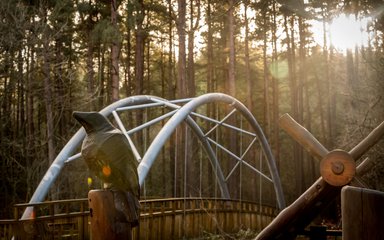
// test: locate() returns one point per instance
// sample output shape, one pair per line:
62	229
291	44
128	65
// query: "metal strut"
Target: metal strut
179	114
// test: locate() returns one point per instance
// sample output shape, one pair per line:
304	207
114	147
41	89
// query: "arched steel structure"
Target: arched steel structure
179	114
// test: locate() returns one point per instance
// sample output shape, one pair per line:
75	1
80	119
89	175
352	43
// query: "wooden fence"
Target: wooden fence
194	217
173	218
64	219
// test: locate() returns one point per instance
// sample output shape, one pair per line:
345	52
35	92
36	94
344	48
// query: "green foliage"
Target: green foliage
105	33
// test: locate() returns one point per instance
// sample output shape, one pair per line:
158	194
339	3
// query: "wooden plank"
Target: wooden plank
362	213
302	136
373	137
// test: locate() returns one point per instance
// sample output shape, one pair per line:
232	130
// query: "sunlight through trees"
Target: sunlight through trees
321	61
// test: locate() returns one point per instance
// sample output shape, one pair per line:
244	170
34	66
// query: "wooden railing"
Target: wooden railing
172	218
61	219
177	218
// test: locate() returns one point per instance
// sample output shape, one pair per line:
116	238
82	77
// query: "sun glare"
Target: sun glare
344	32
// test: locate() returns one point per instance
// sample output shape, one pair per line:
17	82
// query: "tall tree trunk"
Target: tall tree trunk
139	59
191	162
293	90
247	61
170	94
181	65
170	78
115	52
275	88
267	120
209	51
231	45
210	75
48	101
319	86
300	92
91	85
90	75
147	83
181	93
128	75
302	70
21	95
295	107
30	122
233	182
191	92
164	166
101	70
329	88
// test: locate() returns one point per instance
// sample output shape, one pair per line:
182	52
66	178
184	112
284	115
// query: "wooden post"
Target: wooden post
302	211
106	221
362	213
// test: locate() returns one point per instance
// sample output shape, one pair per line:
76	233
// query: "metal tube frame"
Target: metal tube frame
182	114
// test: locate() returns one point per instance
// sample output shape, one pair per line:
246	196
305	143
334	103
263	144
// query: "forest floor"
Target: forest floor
245	235
242	234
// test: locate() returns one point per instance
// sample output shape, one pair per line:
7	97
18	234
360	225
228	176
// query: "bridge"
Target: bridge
217	203
173	218
220	203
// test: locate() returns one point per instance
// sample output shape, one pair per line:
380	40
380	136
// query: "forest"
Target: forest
321	61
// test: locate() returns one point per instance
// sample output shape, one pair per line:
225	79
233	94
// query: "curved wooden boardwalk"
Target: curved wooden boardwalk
172	218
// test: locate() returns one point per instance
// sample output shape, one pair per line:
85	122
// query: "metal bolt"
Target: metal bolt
337	168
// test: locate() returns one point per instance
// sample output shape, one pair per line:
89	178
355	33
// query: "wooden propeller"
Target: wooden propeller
338	168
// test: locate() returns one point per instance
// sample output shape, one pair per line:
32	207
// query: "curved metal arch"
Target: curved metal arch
153	150
183	114
150	157
70	148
